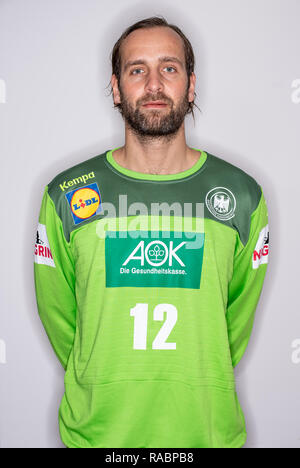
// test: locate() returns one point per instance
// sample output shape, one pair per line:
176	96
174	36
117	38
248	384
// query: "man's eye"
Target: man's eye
136	71
170	68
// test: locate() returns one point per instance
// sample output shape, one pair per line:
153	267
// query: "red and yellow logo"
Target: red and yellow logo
84	203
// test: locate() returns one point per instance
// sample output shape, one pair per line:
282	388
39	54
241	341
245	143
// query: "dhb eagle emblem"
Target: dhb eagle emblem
221	202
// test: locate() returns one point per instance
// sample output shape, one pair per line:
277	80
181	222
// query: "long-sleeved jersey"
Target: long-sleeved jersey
147	287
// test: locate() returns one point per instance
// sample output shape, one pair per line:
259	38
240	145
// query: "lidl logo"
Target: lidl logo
84	202
167	261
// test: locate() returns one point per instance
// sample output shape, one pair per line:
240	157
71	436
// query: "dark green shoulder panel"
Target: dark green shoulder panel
233	192
228	194
78	175
84	175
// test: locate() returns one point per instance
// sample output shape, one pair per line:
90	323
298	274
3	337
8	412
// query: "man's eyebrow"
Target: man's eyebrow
170	59
143	62
134	62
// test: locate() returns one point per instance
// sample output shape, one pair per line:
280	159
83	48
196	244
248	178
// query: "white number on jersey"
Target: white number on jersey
140	314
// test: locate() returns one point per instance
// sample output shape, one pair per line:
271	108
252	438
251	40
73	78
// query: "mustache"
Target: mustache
151	98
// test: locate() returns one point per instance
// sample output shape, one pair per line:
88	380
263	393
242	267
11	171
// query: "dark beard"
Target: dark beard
148	125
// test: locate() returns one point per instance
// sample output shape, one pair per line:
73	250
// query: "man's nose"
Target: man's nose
154	81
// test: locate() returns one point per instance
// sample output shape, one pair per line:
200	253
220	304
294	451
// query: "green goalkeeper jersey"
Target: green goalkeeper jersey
147	287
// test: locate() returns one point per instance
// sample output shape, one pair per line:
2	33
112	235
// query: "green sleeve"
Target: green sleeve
55	281
249	269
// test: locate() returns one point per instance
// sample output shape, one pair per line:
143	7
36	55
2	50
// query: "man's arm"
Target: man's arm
249	269
55	280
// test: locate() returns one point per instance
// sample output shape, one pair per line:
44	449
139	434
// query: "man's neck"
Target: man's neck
156	155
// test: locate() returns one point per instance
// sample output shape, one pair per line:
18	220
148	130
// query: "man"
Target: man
149	264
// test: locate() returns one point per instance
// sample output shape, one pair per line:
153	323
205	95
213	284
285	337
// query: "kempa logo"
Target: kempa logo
156	253
77	180
221	203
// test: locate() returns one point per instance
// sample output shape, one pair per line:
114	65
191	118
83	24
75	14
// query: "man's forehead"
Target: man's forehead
152	44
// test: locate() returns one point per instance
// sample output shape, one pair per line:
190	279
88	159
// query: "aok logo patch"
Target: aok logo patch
170	260
84	202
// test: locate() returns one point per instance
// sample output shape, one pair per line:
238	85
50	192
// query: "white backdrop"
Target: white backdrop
55	112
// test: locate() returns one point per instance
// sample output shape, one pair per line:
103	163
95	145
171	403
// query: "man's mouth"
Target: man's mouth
156	104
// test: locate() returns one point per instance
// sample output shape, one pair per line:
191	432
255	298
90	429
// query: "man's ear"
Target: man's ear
115	88
191	93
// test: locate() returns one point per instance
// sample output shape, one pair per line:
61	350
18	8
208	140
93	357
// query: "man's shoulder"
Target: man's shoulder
77	176
243	185
232	195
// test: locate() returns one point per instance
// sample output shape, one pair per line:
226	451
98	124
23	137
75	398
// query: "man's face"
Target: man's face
153	91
